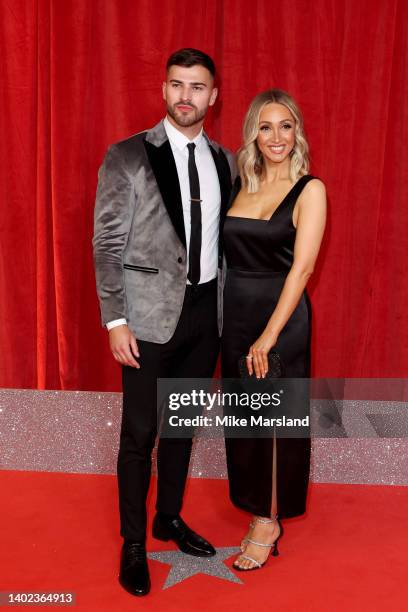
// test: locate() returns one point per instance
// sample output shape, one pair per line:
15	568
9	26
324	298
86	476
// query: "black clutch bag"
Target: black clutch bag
275	367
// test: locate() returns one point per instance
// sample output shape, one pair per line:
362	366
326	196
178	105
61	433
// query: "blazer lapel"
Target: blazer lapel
162	162
164	169
224	177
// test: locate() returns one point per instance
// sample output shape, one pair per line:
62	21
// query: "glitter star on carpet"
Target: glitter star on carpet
183	566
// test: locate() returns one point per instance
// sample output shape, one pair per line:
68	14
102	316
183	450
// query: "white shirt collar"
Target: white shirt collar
179	140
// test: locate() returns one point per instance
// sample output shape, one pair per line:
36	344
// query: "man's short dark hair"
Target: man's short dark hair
191	57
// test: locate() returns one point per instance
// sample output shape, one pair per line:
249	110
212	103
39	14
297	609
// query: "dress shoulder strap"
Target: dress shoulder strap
299	186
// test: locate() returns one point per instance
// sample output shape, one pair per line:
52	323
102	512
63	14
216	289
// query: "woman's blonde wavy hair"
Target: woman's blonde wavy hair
250	160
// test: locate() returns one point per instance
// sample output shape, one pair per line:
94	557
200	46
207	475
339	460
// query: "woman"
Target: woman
272	236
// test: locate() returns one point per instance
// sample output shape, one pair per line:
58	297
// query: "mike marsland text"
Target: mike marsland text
233	421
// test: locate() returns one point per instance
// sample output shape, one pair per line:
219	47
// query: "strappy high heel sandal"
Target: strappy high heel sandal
244	541
273	546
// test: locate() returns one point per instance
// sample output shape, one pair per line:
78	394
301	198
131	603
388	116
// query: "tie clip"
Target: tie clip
195	200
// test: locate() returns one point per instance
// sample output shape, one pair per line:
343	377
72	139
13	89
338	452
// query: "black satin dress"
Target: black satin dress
259	255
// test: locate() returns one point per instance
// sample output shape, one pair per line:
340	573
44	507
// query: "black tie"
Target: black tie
195	210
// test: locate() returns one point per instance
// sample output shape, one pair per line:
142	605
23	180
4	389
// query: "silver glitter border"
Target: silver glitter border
78	432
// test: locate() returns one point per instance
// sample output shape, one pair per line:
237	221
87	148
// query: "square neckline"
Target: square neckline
276	209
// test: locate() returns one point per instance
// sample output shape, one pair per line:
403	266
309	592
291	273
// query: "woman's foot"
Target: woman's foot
263	538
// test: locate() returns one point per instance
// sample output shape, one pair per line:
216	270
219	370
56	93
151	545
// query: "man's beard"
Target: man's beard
186	120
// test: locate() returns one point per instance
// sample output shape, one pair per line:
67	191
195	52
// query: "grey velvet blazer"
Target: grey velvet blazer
139	239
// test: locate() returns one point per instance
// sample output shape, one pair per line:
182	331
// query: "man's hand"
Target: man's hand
124	346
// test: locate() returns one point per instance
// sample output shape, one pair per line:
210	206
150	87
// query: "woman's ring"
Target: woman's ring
249	357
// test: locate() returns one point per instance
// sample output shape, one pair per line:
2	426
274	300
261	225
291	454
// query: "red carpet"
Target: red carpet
60	533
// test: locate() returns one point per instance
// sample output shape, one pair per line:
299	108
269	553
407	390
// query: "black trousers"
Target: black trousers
191	353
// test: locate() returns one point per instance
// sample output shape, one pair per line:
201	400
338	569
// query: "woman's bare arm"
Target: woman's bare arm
309	233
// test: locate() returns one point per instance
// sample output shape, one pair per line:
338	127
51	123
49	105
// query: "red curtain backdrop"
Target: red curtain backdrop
78	75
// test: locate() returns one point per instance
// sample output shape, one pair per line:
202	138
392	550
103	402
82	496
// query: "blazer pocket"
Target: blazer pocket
141	269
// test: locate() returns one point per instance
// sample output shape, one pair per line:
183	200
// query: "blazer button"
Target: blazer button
180	260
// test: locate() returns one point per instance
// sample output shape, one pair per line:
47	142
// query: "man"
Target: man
161	197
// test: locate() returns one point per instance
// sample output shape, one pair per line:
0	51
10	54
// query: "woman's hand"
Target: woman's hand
257	359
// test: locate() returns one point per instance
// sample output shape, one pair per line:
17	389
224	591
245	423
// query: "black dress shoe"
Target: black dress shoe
134	572
186	539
